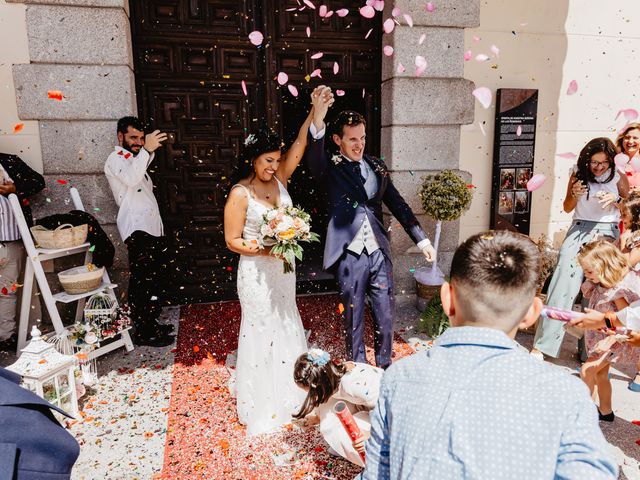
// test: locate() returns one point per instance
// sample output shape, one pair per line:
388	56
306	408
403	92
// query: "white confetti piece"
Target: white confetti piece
484	96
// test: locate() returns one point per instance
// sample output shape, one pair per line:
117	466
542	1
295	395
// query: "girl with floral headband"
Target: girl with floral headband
328	381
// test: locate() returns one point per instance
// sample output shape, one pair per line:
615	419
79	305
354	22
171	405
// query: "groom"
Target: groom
357	247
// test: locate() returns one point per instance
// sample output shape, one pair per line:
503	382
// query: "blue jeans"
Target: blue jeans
567	279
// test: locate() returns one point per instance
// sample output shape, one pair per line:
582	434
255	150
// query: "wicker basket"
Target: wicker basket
81	279
65	236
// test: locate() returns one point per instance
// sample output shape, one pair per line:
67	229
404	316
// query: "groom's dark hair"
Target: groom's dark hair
348	118
495	275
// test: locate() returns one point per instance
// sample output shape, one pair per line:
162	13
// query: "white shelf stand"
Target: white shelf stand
34	269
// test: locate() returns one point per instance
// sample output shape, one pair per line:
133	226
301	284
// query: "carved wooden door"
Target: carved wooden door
190	58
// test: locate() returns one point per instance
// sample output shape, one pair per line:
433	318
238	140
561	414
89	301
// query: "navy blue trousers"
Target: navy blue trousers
360	276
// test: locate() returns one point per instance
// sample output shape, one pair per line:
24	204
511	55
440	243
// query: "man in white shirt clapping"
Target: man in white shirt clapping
140	227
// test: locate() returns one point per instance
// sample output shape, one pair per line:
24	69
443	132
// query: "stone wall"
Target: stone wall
421	116
82	48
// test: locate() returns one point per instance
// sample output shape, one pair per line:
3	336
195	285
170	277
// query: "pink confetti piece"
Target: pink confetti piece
536	182
316	56
340	93
484	96
364	92
316	73
367	11
256	38
430	7
481	57
408	19
378	5
329	14
476	39
368	33
309	4
323	10
293	90
567	155
467	55
395	12
388	25
387	50
495	50
283	78
336	68
401	68
621	161
421	65
343	12
291	9
308	32
244	87
519	131
422	38
573	87
629	114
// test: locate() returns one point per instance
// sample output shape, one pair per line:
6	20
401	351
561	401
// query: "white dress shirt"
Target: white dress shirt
8	224
133	191
364	239
630	316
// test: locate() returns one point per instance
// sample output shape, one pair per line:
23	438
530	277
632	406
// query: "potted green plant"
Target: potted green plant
445	196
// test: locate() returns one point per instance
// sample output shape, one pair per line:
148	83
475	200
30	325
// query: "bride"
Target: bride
271	332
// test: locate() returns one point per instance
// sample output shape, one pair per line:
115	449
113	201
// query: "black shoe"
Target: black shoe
165	328
10	344
159	340
609	417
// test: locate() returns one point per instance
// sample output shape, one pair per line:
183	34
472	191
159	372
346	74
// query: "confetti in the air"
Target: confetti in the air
395	12
367	11
243	84
495	50
378	5
388	50
573	87
484	96
309	4
316	56
567	155
481	57
430	7
401	68
283	78
536	182
388	25
308	32
343	12
629	114
293	90
408	19
18	127
322	11
340	93
422	38
256	38
316	73
468	55
336	68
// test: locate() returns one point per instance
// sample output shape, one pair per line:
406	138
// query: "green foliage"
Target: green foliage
445	196
433	320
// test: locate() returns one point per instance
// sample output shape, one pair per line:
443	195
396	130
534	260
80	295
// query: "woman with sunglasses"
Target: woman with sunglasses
594	193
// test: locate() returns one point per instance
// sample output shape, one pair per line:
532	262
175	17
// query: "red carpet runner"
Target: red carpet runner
204	439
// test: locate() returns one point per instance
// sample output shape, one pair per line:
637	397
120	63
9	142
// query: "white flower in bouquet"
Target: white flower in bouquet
90	338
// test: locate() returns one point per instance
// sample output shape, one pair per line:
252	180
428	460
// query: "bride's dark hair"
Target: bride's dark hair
262	141
321	380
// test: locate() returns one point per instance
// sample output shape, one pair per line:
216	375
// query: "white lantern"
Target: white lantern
48	373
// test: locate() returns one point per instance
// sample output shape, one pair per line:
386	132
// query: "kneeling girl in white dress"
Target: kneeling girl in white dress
329	381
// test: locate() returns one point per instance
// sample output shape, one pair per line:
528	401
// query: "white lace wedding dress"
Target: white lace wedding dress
271	334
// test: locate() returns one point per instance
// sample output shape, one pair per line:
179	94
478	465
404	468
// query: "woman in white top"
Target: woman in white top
329	381
271	332
594	192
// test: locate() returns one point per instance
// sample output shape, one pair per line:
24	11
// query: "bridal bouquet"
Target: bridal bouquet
283	228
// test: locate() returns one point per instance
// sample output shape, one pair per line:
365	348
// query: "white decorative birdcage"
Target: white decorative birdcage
48	373
100	307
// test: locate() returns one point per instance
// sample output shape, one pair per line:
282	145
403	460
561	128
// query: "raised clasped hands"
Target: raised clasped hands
321	99
153	140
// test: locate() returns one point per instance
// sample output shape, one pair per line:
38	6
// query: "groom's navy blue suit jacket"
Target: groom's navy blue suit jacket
348	202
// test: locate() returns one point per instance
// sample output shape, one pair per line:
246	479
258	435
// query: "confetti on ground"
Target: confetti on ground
204	438
55	95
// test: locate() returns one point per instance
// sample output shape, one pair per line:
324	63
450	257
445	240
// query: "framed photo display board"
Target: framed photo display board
513	153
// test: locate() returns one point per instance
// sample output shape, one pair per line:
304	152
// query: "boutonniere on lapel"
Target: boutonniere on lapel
336	159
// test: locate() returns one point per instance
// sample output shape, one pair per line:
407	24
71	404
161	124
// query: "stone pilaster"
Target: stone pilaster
82	48
421	116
